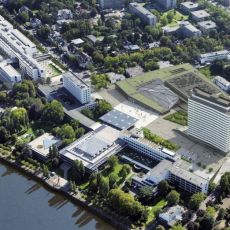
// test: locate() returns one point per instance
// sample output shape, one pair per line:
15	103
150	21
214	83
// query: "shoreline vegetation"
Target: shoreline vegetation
108	216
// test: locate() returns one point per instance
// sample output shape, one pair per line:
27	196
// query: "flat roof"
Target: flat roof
207	24
75	79
141	9
200	14
93	147
190	5
188	176
9	69
118	119
42	144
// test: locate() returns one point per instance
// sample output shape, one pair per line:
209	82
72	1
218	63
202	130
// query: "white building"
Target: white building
206	26
146	16
64	14
213	56
15	45
172	215
8	75
167	4
222	83
94	148
209	119
200	15
77	87
187	180
148	148
40	146
188	7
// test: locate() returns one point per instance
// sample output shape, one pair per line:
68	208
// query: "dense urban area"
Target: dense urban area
122	106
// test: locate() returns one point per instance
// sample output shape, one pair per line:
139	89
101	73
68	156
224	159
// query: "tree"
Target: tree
196	200
225	183
163	187
173	198
53	112
113	178
4	134
125	170
112	161
104	187
178	227
206	223
159	227
45	171
211	211
221	214
3	97
73	186
145	193
78	170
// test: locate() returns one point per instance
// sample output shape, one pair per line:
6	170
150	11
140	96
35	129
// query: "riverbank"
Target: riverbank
64	191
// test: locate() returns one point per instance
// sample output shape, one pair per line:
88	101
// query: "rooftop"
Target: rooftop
207	24
118	119
190	5
75	80
188	176
42	144
9	69
92	147
200	14
172	215
141	9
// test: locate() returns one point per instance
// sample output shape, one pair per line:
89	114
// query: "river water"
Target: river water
26	205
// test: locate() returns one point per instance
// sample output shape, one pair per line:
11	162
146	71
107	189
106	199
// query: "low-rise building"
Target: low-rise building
222	83
167	4
64	14
108	4
213	56
187	180
189	7
146	16
35	22
172	215
187	30
94	148
77	87
134	71
206	26
9	75
114	77
200	15
41	145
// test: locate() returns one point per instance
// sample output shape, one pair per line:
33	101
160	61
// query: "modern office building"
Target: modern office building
227	2
94	148
108	4
187	181
209	119
8	74
146	16
77	87
148	148
213	56
167	4
15	45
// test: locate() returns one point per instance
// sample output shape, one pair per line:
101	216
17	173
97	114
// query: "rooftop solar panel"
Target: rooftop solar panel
118	119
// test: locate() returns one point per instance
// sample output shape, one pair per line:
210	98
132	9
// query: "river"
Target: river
26	205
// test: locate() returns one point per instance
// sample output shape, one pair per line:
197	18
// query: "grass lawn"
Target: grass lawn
177	17
206	72
155	208
55	71
180	117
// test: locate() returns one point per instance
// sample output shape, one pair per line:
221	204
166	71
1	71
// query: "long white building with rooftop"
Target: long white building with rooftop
15	45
